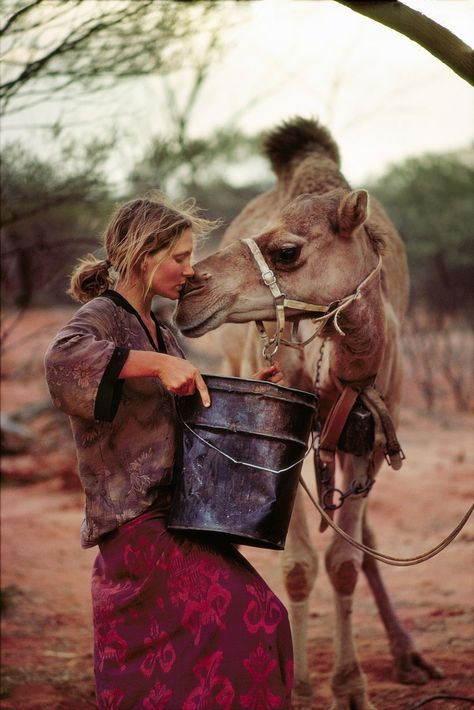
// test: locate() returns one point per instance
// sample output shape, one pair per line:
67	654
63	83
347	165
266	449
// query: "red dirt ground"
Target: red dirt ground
46	636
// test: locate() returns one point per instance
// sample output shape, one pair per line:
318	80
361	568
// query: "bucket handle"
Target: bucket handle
245	463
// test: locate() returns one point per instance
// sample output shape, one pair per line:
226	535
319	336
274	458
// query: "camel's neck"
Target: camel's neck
358	354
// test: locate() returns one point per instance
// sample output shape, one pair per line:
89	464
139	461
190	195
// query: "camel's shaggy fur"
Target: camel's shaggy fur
338	238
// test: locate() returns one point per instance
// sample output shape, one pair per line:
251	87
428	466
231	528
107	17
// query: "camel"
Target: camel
327	247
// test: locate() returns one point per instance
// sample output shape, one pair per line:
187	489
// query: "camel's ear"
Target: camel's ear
353	211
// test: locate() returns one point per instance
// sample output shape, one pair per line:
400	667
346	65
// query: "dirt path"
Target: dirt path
47	640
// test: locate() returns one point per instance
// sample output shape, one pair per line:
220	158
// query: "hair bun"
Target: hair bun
90	279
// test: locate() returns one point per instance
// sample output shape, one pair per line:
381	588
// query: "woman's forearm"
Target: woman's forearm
144	363
178	375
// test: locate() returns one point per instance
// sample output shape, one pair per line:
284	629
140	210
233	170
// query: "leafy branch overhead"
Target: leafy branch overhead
439	41
50	45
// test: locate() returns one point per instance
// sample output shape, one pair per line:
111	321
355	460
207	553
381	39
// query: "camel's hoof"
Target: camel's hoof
412	669
349	689
353	701
302	696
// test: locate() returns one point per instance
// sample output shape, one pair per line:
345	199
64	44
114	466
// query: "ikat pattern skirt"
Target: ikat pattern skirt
185	623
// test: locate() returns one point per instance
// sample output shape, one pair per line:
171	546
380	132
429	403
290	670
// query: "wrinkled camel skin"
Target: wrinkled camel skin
321	239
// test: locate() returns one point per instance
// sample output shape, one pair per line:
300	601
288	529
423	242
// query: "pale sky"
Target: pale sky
382	96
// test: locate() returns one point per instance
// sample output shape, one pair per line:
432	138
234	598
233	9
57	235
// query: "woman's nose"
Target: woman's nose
188	271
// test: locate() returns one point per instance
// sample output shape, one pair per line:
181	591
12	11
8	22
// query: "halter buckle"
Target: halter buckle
268	277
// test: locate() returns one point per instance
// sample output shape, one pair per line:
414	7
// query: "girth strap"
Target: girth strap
339	414
374	402
334	424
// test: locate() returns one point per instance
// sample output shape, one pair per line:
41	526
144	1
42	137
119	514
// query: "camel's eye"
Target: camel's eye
287	254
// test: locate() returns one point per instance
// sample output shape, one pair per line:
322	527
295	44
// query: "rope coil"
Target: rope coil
380	556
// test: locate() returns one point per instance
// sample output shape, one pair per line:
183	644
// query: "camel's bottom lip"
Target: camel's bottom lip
194	330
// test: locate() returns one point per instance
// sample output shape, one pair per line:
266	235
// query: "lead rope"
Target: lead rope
388	559
380	556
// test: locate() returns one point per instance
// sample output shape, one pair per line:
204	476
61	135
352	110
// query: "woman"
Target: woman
180	622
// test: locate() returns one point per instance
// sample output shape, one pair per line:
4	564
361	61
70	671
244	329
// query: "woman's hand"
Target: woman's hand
179	376
182	378
272	373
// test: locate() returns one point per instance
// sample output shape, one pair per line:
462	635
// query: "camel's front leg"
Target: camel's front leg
299	569
343	563
409	664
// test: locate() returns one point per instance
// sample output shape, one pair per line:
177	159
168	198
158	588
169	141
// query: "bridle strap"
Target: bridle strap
271	344
269	280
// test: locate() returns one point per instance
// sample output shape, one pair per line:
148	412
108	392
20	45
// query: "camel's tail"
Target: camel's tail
295	136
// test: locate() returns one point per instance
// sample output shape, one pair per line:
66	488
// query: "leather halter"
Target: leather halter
271	344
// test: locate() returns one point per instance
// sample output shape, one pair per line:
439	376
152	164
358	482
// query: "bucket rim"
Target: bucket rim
313	395
237	537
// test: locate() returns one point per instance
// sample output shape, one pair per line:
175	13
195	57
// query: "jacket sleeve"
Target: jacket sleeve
82	365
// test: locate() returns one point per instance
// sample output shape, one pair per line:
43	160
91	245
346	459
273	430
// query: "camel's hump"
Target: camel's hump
295	136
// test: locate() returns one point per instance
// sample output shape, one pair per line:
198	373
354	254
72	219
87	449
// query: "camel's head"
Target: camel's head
317	250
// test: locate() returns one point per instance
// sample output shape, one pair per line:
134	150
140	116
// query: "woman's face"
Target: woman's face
168	274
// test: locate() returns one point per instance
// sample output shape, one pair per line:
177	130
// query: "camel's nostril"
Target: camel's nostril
194	284
200	276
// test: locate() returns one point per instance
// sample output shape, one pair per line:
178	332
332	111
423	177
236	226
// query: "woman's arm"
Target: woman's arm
85	368
179	376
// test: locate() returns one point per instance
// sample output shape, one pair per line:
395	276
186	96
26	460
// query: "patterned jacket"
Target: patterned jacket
125	431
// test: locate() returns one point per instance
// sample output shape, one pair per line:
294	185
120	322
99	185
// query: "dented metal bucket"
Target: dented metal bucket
241	460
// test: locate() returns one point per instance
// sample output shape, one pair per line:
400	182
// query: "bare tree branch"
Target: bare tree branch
48	44
435	38
68	44
17	14
9	27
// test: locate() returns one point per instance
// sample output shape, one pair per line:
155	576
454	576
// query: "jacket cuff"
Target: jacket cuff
110	387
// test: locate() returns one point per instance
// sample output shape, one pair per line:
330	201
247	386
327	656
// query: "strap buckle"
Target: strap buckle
268	278
395	458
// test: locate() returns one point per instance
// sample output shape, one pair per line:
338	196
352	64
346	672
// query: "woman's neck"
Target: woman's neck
134	295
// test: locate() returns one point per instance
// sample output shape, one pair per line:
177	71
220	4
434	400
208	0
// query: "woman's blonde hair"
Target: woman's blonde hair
137	228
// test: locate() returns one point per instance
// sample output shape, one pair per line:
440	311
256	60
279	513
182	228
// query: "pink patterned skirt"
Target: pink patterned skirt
182	623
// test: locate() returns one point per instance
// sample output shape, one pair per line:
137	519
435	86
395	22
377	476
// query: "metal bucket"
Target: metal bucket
242	457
